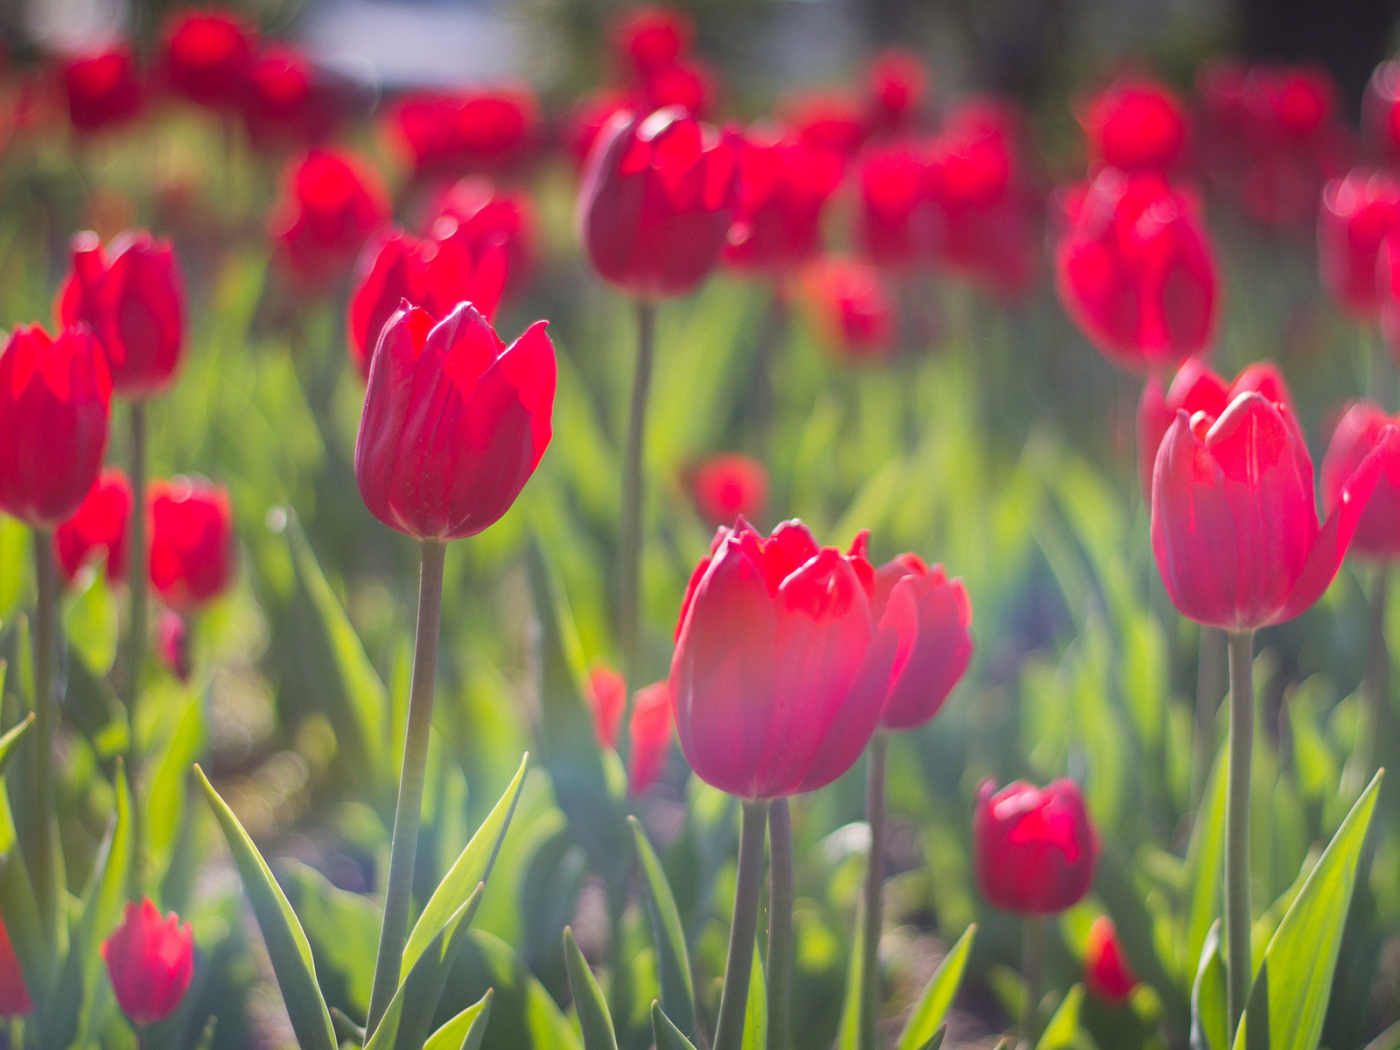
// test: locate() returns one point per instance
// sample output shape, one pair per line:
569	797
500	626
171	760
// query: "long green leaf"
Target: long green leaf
673	961
466	1030
938	995
1210	1017
1205	857
343	931
668	1036
756	1007
286	941
937	1040
165	800
13	737
592	1008
848	1032
1256	1036
1059	1033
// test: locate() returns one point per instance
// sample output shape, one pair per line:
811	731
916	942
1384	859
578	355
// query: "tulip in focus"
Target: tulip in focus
1136	125
99	528
1361	431
150	961
942	645
850	308
1106	969
1034	848
730	486
454	422
330	206
1357	214
779	197
207	55
14	993
192	544
103	87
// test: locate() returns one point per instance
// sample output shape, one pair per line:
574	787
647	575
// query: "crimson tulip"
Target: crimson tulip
780	670
1234	525
1361	431
898	224
103	87
656	200
331	205
1136	271
454	133
1106	968
607	697
834	121
651	729
779	195
192	546
288	102
1034	849
132	296
97	528
14	993
150	961
898	87
454	422
1136	125
650	37
54	406
1356	215
850	308
486	219
728	487
207	54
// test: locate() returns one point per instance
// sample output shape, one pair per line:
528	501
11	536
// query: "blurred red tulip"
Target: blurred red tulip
484	219
590	115
1034	849
150	961
898	226
173	643
607	698
826	120
942	643
650	37
133	299
780	670
331	205
1136	270
14	993
207	55
54	404
1106	969
102	86
656	201
689	84
97	528
192	545
288	102
1136	125
469	131
652	726
1234	524
1357	214
898	90
850	309
779	196
729	487
454	422
1362	430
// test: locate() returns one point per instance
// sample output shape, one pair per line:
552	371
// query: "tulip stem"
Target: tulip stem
780	897
136	637
1238	958
43	871
1032	969
1210	671
1375	690
629	570
733	1000
874	889
407	814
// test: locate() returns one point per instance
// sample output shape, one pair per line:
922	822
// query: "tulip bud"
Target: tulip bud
779	195
102	86
454	422
898	224
173	643
652	725
607	697
288	101
1135	125
1106	969
1234	525
729	487
192	550
54	402
851	311
150	961
14	993
134	302
207	55
1034	849
833	121
330	206
655	204
651	37
1356	215
1361	431
898	90
98	527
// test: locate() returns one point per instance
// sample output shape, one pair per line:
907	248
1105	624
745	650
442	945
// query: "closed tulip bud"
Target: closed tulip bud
54	404
14	993
97	529
207	54
898	86
1234	524
331	205
607	697
1136	125
650	736
454	422
150	961
655	204
1361	431
942	645
651	37
781	190
729	487
1034	848
780	670
1106	969
1136	271
102	87
132	296
1356	215
850	309
192	546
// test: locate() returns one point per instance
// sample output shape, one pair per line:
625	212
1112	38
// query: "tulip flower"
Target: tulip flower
288	102
330	207
97	528
589	116
150	961
103	87
455	133
207	54
607	696
1106	969
942	645
192	545
14	993
1136	125
1357	214
650	725
1034	849
833	121
173	643
728	487
1136	271
898	86
1361	431
779	196
851	311
485	219
898	224
132	296
651	37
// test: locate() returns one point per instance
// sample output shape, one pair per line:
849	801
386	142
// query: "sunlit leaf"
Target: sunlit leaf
937	996
592	1008
673	961
466	1030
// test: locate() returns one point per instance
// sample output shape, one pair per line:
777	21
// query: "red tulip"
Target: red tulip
1136	270
103	87
150	961
454	133
898	87
207	55
288	102
173	643
898	224
54	402
652	726
651	37
780	670
689	85
1357	214
729	487
1034	849
850	308
589	117
192	546
330	206
942	642
14	993
484	219
1195	389
134	301
1362	430
1234	528
607	697
99	527
655	203
454	423
1136	125
779	196
1106	969
827	120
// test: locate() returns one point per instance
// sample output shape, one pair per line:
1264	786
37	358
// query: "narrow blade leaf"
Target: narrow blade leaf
673	961
593	1016
466	1030
668	1036
1210	1018
1059	1033
937	997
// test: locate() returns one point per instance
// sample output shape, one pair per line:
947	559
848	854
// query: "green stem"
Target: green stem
394	932
1210	674
780	898
42	866
1375	689
1032	969
629	570
1238	960
137	636
733	1000
874	889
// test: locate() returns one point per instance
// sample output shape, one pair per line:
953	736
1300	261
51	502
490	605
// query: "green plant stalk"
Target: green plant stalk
629	569
874	888
1375	690
136	640
1239	963
1032	970
620	989
1210	672
42	869
729	1028
780	898
394	932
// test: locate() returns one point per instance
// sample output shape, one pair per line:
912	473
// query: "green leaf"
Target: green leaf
756	1007
7	752
343	930
90	624
20	911
165	798
668	1036
848	1032
1059	1033
673	960
1256	1036
927	1018
592	1008
466	1030
14	553
472	867
937	1040
1210	1016
523	1015
286	941
409	1018
1205	857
